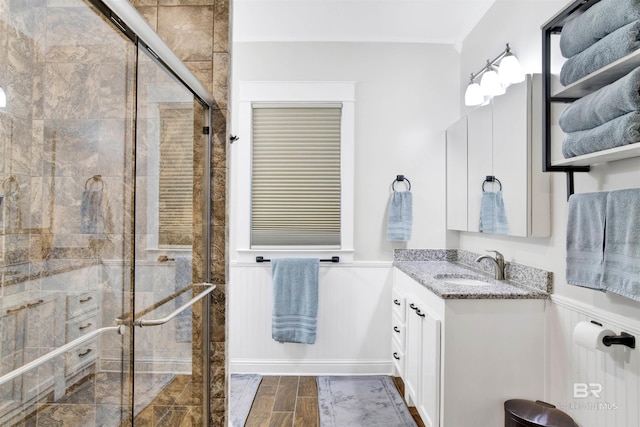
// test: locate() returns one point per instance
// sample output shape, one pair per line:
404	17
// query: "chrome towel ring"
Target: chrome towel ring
400	178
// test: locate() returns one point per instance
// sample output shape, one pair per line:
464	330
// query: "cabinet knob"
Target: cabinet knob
395	356
419	313
395	328
396	302
412	306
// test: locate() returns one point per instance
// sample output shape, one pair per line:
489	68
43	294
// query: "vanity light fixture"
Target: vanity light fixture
494	81
3	98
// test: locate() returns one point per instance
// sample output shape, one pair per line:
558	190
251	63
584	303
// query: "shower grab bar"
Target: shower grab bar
57	352
183	307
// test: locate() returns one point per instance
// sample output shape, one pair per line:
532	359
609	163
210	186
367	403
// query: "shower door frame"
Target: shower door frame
127	19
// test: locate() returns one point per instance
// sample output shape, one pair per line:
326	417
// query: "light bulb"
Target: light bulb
3	98
510	70
490	83
473	96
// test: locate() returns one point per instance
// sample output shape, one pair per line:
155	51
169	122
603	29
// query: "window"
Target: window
293	169
176	177
295	177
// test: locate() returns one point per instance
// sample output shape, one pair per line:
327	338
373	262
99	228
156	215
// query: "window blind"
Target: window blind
176	177
295	192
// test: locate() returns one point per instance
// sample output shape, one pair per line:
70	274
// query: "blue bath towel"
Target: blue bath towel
400	219
585	239
182	279
621	273
620	131
295	299
493	215
611	48
595	23
91	212
597	108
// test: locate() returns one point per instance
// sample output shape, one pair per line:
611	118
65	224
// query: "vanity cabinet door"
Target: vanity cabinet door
457	175
480	160
428	403
413	356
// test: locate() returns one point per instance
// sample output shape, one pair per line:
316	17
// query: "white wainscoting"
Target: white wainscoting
617	372
354	328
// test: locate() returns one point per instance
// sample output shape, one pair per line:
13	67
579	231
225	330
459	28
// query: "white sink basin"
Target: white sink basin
461	280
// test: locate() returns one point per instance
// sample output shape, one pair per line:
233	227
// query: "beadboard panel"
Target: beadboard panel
353	335
617	371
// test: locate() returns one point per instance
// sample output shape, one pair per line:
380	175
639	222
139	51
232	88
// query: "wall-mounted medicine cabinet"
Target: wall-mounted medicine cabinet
501	139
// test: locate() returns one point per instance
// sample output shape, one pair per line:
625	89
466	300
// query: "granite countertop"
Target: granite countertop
424	272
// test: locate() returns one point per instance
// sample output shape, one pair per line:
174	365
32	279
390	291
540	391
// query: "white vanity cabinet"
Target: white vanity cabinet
501	139
465	357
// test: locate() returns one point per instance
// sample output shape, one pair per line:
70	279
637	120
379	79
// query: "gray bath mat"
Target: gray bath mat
367	401
243	388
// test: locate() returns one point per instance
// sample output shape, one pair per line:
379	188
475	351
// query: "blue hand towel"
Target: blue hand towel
620	43
182	279
620	131
595	23
91	211
295	299
621	273
400	219
585	239
597	108
493	216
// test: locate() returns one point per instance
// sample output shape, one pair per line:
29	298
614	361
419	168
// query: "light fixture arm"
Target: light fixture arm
491	62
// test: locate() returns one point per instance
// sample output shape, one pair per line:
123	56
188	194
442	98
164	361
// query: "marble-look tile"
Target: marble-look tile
203	70
185	2
218	197
64	414
219	139
148	12
218	255
218	318
221	26
188	30
220	79
142	3
72	90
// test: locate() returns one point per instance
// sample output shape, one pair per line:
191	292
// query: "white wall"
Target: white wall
519	22
406	95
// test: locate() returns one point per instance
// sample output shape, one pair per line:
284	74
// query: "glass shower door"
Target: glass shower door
168	380
66	134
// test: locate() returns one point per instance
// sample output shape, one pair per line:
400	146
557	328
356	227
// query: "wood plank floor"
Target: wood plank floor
290	401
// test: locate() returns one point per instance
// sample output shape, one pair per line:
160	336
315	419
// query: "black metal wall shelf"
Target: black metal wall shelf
570	93
554	26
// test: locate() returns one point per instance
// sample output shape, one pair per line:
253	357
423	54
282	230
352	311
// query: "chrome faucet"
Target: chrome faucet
498	263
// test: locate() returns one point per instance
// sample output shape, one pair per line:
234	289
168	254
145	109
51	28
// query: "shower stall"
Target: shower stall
104	220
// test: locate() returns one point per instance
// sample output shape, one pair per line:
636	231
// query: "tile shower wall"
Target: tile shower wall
198	32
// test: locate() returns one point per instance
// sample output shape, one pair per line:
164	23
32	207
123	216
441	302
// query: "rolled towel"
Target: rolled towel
620	131
599	20
585	239
621	273
493	216
607	50
614	100
400	219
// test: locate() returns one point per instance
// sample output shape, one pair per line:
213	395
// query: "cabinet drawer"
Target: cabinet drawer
82	324
398	299
80	358
81	303
399	332
397	355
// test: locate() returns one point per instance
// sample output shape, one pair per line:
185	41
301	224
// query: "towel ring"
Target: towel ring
11	180
491	178
95	178
400	178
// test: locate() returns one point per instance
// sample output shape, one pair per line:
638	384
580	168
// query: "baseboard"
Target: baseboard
311	367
